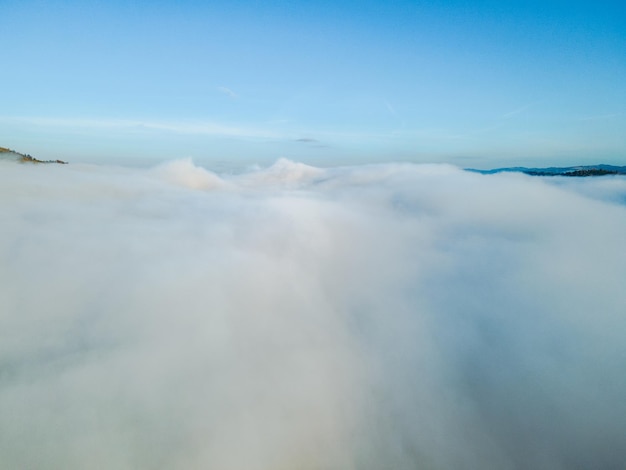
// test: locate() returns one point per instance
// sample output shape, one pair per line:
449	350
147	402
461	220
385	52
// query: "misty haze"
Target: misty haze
392	316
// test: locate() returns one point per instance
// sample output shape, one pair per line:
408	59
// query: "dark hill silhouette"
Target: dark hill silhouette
575	171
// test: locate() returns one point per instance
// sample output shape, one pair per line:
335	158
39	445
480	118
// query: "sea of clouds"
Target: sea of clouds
367	317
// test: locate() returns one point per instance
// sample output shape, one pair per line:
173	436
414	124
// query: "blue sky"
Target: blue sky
471	83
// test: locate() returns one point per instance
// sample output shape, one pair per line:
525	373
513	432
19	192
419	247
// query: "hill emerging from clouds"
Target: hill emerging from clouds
9	154
576	171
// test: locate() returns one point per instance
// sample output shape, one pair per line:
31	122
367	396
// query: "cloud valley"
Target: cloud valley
365	317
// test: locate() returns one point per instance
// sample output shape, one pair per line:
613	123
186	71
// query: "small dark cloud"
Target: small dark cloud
307	140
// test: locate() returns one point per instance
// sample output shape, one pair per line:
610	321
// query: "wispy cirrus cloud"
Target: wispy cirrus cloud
516	111
194	127
600	117
390	108
228	92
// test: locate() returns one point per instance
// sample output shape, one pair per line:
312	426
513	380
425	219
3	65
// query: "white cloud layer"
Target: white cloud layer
390	316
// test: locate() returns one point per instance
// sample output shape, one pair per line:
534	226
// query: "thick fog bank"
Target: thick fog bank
389	316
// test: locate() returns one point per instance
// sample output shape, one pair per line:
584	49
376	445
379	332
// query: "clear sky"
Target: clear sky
481	83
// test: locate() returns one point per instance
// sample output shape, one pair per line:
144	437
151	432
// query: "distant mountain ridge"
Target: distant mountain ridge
24	158
575	171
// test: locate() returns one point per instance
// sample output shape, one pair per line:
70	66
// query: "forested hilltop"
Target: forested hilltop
583	170
6	153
